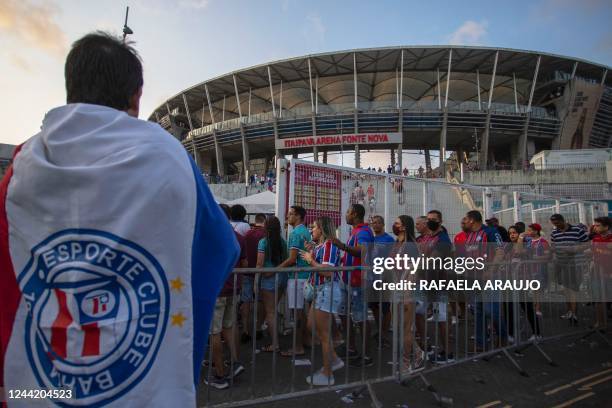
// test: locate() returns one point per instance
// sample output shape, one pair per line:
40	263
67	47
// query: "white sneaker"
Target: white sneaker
534	338
453	320
510	339
337	364
320	379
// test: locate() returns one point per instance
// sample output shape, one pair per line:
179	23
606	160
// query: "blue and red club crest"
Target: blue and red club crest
97	312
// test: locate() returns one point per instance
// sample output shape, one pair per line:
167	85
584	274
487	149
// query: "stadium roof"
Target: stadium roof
376	78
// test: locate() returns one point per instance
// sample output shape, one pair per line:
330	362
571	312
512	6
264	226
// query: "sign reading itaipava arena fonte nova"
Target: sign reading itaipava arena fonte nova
331	140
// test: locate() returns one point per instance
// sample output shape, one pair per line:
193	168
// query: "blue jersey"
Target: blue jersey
383	239
360	235
296	241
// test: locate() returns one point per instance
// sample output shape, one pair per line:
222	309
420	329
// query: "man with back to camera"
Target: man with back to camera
300	234
383	244
238	214
361	236
569	244
483	241
90	201
224	324
247	291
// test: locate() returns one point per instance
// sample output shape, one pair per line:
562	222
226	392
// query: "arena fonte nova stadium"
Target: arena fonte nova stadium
504	105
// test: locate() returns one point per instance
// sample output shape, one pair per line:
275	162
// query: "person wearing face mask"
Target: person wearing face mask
439	246
413	358
380	307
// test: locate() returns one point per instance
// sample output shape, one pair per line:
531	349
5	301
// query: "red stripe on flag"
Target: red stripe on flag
59	329
91	344
9	290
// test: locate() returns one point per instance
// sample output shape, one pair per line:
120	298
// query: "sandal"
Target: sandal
269	348
289	353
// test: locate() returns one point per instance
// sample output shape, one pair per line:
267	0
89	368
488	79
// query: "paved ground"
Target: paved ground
583	374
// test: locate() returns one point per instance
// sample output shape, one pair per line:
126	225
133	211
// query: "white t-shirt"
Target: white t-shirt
240	227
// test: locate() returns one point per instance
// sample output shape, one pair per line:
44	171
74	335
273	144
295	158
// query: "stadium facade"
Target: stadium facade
502	104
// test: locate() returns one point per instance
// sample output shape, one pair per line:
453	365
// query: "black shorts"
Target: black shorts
568	275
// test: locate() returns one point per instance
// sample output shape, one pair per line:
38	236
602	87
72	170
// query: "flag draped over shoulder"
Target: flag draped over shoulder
112	252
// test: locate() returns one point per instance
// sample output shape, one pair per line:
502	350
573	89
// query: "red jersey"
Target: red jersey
602	249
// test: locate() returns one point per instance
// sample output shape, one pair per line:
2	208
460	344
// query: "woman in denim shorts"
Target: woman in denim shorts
271	252
328	296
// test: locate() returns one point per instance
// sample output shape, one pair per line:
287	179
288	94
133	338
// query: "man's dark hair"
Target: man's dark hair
379	217
301	211
226	209
359	210
437	212
102	70
474	216
238	212
605	221
260	218
557	217
503	233
520	227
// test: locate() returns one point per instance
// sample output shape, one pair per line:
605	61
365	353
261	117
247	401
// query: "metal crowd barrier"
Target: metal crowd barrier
462	326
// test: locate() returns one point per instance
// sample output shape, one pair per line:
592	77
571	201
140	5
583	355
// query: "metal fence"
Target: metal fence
416	332
317	185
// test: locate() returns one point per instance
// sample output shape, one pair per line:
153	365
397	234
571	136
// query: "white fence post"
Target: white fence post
387	210
582	213
518	206
558	206
282	166
487	203
425	197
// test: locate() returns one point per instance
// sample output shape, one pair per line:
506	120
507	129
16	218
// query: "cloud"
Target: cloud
285	5
548	10
470	32
20	62
194	4
33	25
315	29
604	44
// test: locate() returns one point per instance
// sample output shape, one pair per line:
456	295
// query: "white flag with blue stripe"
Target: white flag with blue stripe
112	253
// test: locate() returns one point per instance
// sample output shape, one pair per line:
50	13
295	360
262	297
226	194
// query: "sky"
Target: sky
185	42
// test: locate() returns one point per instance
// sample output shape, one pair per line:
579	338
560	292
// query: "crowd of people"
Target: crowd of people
316	298
420	172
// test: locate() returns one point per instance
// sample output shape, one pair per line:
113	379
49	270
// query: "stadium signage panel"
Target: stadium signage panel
332	140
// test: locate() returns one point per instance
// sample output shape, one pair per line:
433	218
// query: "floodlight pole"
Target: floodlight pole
126	30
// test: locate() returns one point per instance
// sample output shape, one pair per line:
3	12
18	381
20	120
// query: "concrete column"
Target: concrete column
275	127
218	155
393	159
400	147
266	165
315	152
399	156
460	156
245	151
484	146
427	160
325	157
522	147
443	140
357	157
